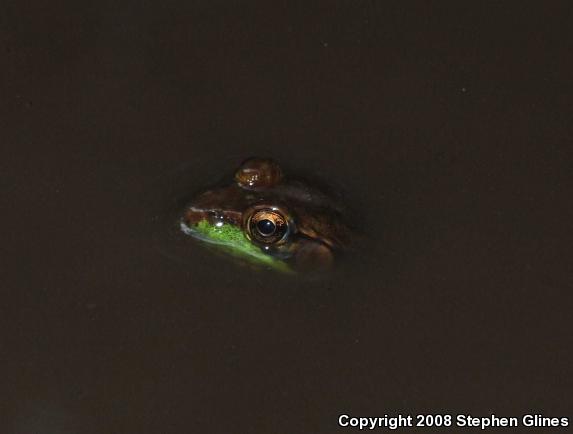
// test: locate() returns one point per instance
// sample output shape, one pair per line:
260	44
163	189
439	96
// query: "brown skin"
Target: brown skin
313	230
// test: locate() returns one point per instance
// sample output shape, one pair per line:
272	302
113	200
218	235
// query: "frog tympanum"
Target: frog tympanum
269	219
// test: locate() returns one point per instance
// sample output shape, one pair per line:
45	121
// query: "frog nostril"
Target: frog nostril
266	227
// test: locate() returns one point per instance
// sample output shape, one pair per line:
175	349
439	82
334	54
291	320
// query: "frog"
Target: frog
270	220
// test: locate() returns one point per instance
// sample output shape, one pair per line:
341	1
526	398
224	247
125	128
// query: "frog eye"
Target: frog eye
258	173
267	226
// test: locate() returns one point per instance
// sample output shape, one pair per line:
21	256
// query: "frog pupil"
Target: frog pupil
266	227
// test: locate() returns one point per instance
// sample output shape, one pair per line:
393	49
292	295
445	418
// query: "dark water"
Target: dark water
449	131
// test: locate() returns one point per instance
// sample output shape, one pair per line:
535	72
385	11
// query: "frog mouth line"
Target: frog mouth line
195	232
233	240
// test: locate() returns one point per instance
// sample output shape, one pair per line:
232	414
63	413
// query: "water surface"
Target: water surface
446	131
